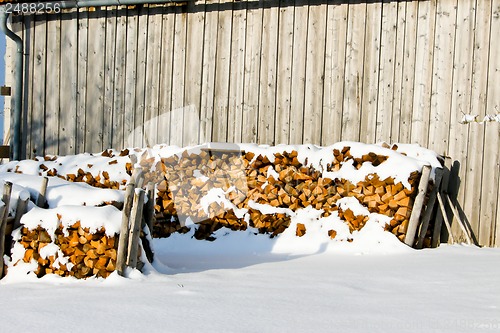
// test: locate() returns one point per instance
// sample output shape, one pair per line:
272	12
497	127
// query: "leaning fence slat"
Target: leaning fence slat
4	213
135	228
418	205
460	222
22	206
445	218
438	223
121	259
150	206
429	209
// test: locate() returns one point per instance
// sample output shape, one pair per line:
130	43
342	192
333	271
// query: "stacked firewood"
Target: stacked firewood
244	178
81	253
283	183
95	178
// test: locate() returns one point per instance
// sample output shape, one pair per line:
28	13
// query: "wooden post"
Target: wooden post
22	206
460	222
438	223
41	201
445	217
417	206
139	180
429	209
149	214
121	259
135	228
7	190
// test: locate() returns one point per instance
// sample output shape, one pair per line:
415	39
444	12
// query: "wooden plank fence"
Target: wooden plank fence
273	71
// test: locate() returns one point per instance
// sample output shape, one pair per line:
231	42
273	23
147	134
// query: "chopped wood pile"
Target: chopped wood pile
244	178
80	253
227	188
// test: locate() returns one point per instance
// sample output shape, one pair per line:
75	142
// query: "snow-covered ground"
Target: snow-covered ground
367	281
232	286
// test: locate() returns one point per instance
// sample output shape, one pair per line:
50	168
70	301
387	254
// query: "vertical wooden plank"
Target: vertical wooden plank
130	77
208	69
117	138
442	76
81	92
497	221
461	91
334	72
178	83
109	75
194	73
222	66
267	85
491	163
237	73
353	89
252	71
52	76
476	144
399	55
284	72
9	75
315	69
69	81
94	118
409	64
29	38
370	75
423	72
387	71
298	74
165	94
140	90
151	110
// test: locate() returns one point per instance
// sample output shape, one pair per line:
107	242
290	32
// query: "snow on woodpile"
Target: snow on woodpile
347	192
79	241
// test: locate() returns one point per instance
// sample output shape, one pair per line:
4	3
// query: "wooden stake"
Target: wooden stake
438	223
41	201
121	259
417	206
429	209
22	206
445	217
135	228
137	177
460	222
150	206
4	213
